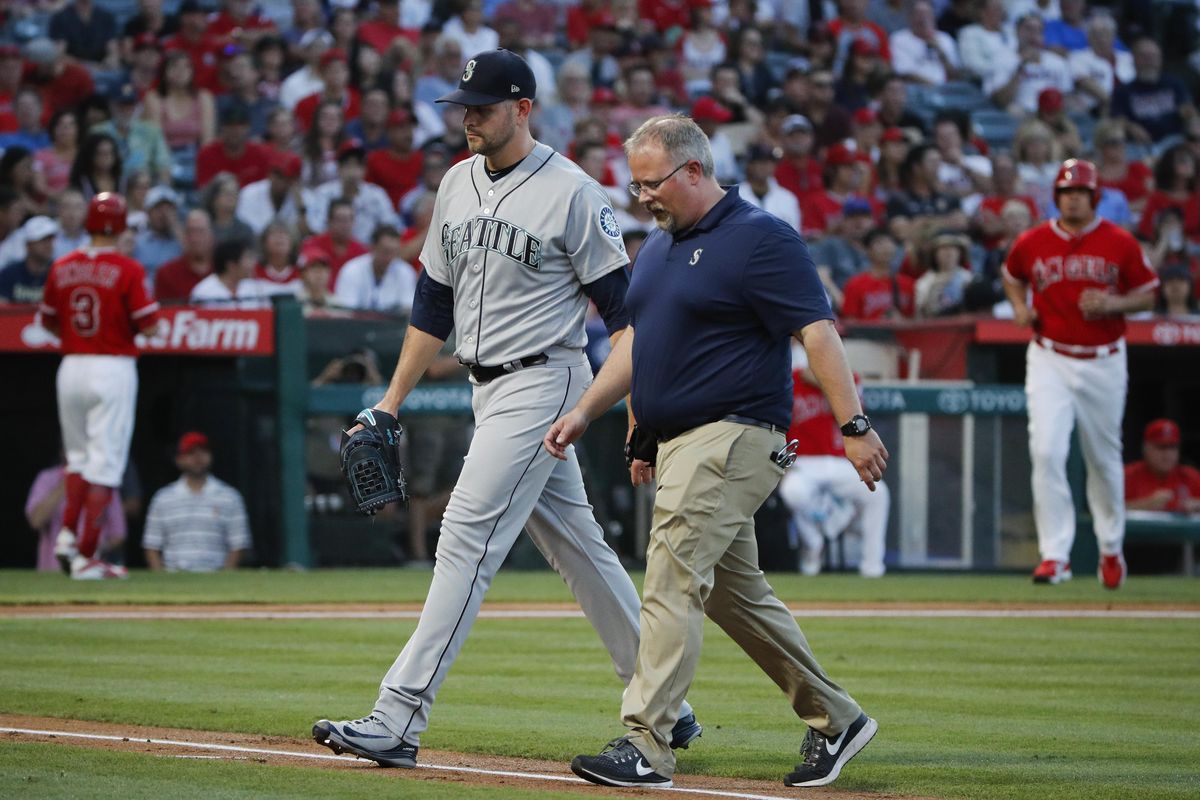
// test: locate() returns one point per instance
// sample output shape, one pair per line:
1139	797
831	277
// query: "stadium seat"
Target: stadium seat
956	95
995	127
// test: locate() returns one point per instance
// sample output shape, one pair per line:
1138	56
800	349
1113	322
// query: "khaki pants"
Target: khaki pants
703	559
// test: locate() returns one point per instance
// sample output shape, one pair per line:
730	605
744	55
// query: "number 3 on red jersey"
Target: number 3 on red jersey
85	311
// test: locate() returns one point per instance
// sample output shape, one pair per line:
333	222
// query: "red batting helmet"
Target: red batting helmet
106	214
1075	173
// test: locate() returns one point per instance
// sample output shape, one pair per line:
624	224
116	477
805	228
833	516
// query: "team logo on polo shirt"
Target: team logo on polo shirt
696	257
608	223
469	71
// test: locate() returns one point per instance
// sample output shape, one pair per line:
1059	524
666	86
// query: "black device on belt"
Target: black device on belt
483	374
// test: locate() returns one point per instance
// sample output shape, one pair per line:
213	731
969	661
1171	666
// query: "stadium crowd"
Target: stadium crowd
295	146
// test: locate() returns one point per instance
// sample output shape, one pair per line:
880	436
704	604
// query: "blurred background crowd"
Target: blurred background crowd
295	146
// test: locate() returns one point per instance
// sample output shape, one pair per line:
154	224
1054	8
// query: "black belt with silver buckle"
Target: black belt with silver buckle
483	374
666	435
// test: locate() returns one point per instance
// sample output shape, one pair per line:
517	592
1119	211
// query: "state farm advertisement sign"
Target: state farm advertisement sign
185	331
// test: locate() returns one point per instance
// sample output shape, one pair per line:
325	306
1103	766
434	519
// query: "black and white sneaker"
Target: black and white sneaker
686	731
822	757
367	738
619	764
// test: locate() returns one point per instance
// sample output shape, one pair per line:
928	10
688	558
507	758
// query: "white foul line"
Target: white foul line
803	613
328	757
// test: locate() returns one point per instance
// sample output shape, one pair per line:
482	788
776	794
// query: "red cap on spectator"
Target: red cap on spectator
10	51
145	41
602	95
400	116
1162	432
333	54
311	253
865	116
351	147
286	164
862	47
1050	101
192	440
838	155
893	135
709	109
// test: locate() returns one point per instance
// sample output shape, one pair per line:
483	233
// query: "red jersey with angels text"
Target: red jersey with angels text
100	301
1059	265
813	424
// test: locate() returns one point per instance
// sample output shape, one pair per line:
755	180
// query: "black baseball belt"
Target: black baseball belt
483	374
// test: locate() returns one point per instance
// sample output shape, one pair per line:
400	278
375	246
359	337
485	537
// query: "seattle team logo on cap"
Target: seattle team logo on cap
608	223
469	71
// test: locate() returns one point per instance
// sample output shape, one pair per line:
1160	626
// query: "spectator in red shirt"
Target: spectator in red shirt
194	40
232	151
852	26
386	35
668	14
1004	189
398	168
338	239
1178	182
11	69
1159	482
175	279
845	177
1116	170
878	293
584	17
238	23
798	171
335	72
63	84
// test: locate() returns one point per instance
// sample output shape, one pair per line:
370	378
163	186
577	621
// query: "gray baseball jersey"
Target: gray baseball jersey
516	253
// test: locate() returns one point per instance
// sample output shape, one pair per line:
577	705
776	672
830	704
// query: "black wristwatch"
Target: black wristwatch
857	426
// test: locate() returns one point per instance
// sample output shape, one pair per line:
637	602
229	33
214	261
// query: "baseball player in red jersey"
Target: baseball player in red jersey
822	489
96	302
1085	274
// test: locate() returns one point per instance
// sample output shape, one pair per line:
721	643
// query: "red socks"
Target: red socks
94	505
76	493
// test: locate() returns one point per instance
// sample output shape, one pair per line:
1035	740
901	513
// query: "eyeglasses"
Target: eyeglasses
635	187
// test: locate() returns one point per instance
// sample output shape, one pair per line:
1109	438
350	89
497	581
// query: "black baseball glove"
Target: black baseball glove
642	445
371	462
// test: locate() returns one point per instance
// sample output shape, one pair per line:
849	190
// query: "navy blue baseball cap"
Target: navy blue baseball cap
491	77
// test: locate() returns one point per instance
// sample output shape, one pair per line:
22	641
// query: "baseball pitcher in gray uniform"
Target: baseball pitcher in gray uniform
521	239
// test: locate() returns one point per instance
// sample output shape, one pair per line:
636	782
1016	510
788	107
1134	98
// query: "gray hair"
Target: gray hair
1100	21
678	135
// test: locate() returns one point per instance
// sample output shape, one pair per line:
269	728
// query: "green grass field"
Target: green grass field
968	708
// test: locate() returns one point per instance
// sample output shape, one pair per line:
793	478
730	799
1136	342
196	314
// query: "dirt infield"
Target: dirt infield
442	766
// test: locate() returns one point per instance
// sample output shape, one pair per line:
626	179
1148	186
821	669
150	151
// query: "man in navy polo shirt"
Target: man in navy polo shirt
715	296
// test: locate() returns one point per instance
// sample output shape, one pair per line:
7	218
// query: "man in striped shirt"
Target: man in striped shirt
198	523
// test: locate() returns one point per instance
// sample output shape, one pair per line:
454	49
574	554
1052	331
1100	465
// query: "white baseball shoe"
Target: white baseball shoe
93	569
65	549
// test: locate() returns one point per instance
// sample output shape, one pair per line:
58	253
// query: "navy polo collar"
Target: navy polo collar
715	215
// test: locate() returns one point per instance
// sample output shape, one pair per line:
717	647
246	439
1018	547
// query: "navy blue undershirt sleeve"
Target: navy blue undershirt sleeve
433	307
608	293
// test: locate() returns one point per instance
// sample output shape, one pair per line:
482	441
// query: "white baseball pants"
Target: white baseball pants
96	399
1064	392
509	482
807	489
